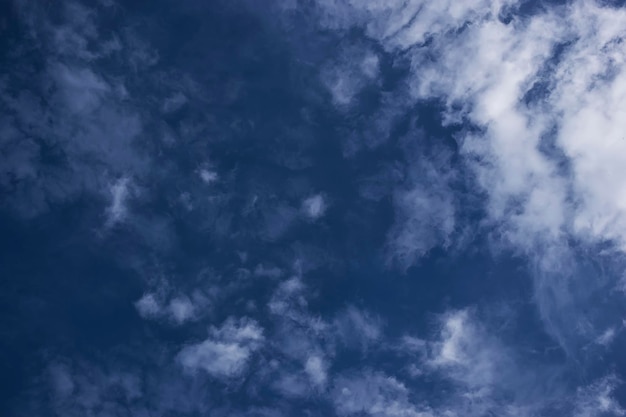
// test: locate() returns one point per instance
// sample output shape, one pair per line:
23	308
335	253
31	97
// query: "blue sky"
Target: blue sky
320	208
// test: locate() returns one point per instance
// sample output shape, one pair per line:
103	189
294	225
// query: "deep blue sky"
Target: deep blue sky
320	208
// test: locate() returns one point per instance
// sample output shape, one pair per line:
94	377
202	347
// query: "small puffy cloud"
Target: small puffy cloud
207	176
119	193
148	306
178	310
181	309
219	359
225	354
314	206
316	369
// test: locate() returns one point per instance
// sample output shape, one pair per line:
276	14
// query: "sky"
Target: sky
331	208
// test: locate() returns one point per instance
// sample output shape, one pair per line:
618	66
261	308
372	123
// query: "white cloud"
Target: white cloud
227	351
597	399
207	176
148	306
354	69
606	337
117	210
467	353
181	309
316	369
548	146
314	206
70	105
374	394
219	359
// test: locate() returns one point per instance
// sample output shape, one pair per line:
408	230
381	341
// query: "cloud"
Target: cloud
117	211
596	399
227	351
175	309
354	69
316	369
533	95
208	176
80	388
374	394
470	355
73	126
314	206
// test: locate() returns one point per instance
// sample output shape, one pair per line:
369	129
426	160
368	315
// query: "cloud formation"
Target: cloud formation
226	352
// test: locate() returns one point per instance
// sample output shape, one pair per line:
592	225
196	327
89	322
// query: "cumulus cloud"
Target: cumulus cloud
314	206
316	370
175	309
207	176
148	306
181	309
227	351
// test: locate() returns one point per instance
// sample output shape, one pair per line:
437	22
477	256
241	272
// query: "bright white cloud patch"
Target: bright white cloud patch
468	354
207	176
225	354
314	206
